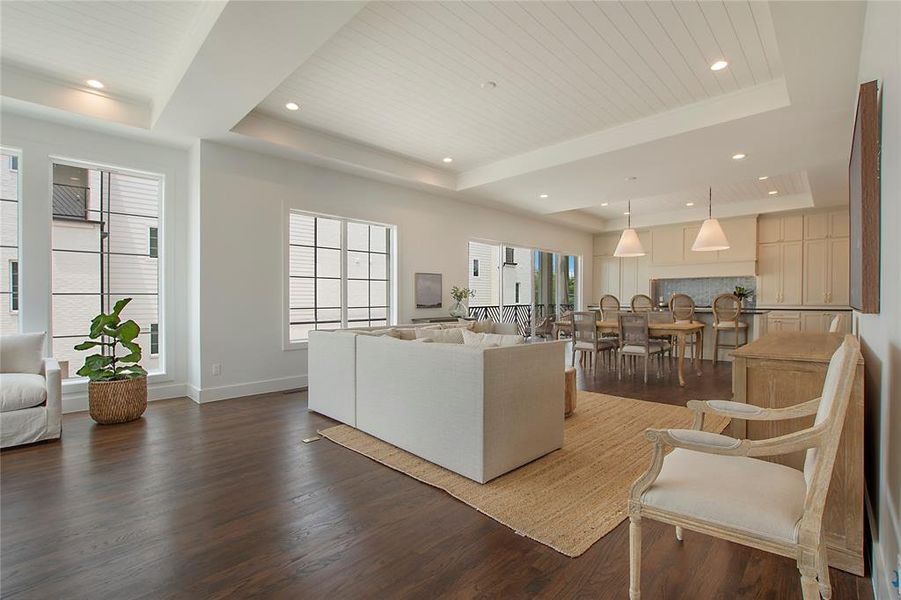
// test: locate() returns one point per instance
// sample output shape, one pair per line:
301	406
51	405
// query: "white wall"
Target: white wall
244	198
881	334
38	141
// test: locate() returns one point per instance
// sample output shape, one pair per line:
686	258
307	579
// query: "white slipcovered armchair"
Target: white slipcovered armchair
30	391
714	484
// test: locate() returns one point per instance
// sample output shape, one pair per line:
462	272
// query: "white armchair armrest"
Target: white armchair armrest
750	412
700	441
51	372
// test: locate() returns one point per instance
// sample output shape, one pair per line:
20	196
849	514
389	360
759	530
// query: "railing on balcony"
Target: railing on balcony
521	314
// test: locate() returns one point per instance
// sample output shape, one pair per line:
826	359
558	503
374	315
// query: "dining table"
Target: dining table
680	330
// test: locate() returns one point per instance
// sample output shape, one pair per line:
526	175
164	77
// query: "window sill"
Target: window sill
291	346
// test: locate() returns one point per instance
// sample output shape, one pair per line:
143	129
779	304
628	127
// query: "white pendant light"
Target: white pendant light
629	244
711	237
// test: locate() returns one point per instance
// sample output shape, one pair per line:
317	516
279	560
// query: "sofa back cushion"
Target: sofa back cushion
491	339
22	353
442	336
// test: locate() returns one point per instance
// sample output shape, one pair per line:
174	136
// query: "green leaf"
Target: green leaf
128	331
88	345
135	351
117	308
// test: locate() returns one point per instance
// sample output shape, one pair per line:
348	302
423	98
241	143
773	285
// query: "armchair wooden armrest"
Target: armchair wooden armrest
749	412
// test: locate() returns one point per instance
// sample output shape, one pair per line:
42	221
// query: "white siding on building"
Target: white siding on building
520	273
485	284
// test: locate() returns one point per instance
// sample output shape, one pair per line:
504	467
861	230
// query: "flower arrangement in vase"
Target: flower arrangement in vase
460	295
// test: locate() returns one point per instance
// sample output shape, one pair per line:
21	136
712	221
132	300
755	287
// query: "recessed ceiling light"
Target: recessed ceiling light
719	65
773	192
292	106
97	85
627	213
604	203
689	204
489	85
447	159
542	195
738	156
763	178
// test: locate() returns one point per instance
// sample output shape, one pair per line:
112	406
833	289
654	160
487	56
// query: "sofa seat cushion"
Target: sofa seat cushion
21	390
490	340
730	325
746	494
654	347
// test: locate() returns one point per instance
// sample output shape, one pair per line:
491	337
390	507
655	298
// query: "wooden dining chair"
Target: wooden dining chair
587	339
635	341
641	303
683	308
727	319
717	485
608	302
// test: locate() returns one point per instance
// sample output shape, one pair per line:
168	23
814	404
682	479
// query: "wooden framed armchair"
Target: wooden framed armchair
716	484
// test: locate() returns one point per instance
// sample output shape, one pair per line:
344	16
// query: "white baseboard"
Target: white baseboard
78	401
266	386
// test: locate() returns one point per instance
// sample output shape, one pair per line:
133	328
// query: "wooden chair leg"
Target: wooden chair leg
823	573
716	345
809	588
635	558
647	356
678	533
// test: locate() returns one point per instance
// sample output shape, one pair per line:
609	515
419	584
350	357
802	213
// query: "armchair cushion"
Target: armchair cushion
737	407
21	390
22	353
703	438
746	494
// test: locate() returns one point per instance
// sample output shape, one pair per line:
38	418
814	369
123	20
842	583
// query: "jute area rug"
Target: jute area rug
568	499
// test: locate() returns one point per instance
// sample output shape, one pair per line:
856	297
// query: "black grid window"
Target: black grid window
101	254
339	274
154	242
9	243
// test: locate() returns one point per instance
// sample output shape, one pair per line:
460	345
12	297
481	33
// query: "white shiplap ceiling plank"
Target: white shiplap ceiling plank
405	76
723	30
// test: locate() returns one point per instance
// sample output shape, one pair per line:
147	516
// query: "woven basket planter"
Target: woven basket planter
117	401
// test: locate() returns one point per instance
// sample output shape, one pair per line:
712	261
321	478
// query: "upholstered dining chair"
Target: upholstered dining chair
641	303
683	308
608	303
587	339
635	341
836	325
727	319
717	485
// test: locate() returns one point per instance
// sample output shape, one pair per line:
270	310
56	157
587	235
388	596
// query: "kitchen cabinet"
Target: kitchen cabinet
826	272
783	320
820	226
815	321
622	277
671	245
780	269
773	228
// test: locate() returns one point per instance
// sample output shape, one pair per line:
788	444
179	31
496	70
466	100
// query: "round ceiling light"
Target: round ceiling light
292	106
97	85
763	178
542	195
739	156
689	204
719	65
773	192
447	159
604	203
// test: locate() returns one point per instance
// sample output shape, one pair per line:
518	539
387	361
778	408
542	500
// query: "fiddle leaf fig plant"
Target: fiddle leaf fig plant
109	333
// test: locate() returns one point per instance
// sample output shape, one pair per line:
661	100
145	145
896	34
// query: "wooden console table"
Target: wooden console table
783	369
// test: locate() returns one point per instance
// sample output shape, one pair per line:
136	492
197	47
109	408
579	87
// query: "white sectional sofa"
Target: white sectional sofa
478	411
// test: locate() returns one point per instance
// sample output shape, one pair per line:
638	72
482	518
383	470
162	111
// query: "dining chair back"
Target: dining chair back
682	307
608	303
641	303
726	308
633	329
726	319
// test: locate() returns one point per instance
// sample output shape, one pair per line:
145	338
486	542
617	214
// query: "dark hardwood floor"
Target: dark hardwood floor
225	501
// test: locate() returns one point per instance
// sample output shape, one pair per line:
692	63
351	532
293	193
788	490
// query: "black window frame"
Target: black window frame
475	267
153	242
14	285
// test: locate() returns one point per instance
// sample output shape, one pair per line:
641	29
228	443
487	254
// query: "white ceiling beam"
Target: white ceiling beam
250	49
310	145
39	89
720	109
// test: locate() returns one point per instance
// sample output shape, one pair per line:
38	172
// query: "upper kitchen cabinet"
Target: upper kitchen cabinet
774	228
671	245
821	226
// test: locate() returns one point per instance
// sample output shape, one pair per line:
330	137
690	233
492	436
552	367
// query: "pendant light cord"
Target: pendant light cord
629	220
710	203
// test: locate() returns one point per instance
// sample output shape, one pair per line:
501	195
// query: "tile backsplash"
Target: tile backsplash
703	289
